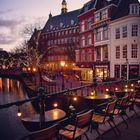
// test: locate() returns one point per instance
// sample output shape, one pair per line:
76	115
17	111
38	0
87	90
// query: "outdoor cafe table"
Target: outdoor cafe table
94	101
50	116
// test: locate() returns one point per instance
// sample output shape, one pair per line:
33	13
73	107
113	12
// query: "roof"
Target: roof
88	6
62	21
123	8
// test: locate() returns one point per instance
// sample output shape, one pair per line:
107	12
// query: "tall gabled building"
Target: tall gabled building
59	39
125	40
85	52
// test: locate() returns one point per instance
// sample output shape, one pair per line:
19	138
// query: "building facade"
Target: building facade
102	39
85	52
125	41
59	39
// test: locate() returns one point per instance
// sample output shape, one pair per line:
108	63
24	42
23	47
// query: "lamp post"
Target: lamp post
127	74
62	63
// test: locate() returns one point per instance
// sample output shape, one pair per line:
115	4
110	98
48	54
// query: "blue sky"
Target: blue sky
16	14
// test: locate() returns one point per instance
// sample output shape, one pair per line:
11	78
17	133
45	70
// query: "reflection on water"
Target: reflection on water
12	91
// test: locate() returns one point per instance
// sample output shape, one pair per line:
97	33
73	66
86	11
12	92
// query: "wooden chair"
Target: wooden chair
106	116
45	134
80	127
121	107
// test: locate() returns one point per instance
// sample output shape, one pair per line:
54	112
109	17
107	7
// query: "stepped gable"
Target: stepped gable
62	21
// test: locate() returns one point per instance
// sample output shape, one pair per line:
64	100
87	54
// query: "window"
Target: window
105	33
97	17
104	14
134	30
134	9
105	53
117	52
117	33
89	24
98	53
77	55
124	31
89	55
83	41
83	56
134	51
89	39
98	35
82	26
124	51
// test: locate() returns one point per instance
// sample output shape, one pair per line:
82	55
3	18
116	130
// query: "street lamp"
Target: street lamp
62	63
127	74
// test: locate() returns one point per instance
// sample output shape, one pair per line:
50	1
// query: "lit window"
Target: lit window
124	31
105	53
117	52
134	30
117	33
134	51
124	51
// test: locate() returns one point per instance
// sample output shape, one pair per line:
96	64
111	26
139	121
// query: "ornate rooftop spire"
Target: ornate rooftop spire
64	7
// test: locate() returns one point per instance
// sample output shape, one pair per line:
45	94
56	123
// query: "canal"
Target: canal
11	126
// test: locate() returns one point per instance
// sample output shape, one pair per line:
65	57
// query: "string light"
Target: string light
75	98
55	105
19	114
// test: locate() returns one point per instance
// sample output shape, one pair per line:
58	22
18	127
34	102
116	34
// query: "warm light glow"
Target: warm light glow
62	63
19	113
116	89
132	90
75	98
106	96
138	82
107	90
92	93
29	69
24	69
126	86
132	85
34	69
55	105
126	90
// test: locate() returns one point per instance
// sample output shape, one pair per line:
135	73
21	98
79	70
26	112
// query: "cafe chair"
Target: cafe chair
121	107
44	134
132	102
79	128
106	116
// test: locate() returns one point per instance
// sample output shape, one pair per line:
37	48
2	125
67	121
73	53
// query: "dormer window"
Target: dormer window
51	26
135	9
72	22
61	24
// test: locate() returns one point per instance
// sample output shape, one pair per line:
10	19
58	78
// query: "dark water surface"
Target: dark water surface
11	127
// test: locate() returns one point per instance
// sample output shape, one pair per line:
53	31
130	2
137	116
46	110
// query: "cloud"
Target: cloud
6	11
6	39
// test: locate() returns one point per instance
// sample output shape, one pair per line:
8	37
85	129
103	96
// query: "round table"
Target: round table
50	115
95	101
33	123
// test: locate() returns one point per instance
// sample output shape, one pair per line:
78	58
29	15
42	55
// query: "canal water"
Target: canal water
11	126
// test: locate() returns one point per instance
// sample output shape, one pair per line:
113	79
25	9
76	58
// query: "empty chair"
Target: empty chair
45	134
79	128
106	116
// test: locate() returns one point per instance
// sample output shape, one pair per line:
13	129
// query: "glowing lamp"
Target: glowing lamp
55	105
75	98
19	114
